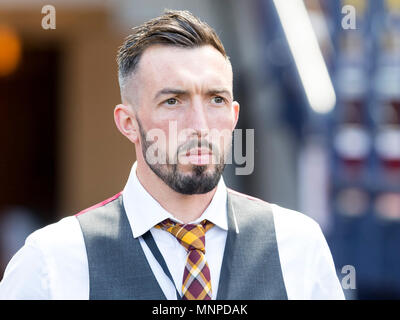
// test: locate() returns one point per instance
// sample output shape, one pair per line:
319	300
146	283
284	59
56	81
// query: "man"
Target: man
176	231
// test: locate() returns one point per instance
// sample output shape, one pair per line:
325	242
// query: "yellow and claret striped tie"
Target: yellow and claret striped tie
196	282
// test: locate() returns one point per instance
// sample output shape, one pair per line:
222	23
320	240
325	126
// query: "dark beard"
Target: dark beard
197	182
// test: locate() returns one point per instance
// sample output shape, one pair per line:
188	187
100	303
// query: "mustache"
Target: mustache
195	143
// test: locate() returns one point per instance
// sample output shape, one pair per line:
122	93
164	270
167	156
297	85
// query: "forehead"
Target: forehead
162	65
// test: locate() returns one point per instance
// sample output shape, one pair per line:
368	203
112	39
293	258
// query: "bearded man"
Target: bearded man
176	231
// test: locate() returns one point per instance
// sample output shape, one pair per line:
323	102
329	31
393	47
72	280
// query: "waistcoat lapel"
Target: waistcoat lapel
251	267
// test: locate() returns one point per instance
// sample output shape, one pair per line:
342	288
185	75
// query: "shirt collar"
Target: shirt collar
144	212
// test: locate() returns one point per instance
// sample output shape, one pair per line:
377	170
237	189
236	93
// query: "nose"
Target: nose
197	119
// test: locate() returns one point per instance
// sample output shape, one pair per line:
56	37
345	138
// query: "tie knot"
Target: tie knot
191	236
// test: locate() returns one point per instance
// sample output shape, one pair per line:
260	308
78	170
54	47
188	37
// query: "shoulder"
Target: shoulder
67	232
306	261
100	213
301	240
64	233
286	220
101	205
295	223
247	201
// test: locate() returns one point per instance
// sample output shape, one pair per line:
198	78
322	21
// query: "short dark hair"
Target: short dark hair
174	27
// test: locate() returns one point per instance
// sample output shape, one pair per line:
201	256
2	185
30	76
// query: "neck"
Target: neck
184	207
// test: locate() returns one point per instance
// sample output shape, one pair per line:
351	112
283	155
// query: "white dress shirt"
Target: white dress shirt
53	262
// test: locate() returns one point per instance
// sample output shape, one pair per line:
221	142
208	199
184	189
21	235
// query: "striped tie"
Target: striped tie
196	283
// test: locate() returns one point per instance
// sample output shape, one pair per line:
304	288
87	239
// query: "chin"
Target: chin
197	169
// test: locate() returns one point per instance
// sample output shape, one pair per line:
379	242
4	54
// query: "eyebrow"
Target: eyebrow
219	91
167	91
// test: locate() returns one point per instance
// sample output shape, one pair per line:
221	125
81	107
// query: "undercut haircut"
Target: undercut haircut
175	28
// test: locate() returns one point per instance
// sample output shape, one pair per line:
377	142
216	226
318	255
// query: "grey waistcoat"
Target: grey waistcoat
118	268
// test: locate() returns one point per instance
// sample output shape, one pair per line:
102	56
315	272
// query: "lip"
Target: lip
198	152
198	156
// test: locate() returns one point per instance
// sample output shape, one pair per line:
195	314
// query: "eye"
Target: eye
171	101
218	100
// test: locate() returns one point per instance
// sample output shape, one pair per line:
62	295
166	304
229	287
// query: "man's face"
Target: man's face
185	94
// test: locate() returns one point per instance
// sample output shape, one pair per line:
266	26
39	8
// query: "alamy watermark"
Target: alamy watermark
349	19
49	20
349	279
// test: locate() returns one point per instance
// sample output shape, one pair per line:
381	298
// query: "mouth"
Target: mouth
199	156
198	152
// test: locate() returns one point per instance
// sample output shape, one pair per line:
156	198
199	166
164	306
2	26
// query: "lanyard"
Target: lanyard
148	238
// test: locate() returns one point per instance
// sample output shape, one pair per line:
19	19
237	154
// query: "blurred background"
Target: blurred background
318	81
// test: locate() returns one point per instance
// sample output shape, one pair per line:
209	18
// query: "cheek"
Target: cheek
222	127
172	135
221	118
221	136
168	123
156	132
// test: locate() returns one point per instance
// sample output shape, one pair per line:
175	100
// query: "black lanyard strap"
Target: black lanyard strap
148	238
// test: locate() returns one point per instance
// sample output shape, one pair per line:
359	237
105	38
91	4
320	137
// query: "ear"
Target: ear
126	123
236	108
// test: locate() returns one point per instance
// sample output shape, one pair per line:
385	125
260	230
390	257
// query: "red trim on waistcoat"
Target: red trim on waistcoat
246	196
103	203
